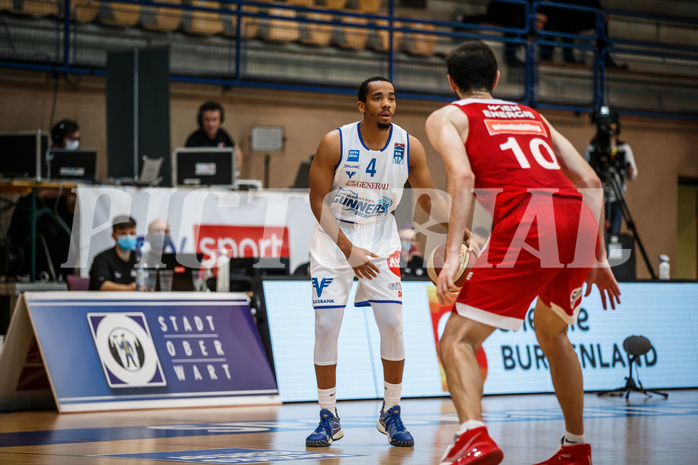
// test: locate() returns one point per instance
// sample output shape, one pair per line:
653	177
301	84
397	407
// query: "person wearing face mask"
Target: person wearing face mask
157	241
411	258
65	135
211	134
114	269
52	218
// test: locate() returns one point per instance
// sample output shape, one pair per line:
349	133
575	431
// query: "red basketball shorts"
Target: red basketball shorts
545	251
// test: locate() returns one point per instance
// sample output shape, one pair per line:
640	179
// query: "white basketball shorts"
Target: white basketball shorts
332	277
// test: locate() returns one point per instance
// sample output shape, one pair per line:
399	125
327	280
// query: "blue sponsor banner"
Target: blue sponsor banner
115	350
234	455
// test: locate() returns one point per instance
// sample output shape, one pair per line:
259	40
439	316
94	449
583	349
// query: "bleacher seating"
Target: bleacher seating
369	6
205	22
381	41
317	33
34	26
353	37
85	11
119	14
307	3
39	8
162	18
335	4
281	30
249	24
420	43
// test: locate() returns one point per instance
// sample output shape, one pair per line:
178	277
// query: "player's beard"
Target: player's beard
383	126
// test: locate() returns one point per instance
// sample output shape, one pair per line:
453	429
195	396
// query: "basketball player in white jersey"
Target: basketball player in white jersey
356	181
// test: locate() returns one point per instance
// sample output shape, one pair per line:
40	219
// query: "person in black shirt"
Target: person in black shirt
411	258
114	269
210	133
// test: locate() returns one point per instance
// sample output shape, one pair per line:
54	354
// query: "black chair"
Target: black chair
635	346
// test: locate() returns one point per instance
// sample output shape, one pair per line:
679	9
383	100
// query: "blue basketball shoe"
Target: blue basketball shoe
390	424
327	431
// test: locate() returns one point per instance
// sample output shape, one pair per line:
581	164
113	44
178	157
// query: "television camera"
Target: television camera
605	158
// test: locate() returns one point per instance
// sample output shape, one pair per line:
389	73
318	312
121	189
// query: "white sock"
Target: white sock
328	399
392	394
470	424
570	439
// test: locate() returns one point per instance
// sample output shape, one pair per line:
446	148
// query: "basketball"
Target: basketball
436	261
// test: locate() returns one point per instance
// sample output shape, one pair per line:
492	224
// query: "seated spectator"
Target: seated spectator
411	258
210	132
53	217
157	241
114	268
65	135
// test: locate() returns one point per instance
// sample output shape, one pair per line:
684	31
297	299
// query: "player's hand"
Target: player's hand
360	261
603	277
446	290
473	249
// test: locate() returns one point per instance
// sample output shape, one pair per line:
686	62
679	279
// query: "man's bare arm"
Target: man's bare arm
447	129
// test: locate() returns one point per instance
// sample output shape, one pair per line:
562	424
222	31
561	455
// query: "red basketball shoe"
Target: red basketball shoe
474	447
579	454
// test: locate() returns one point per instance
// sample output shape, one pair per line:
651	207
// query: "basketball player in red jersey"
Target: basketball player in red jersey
546	241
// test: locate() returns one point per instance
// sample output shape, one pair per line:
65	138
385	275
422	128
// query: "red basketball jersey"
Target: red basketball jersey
511	152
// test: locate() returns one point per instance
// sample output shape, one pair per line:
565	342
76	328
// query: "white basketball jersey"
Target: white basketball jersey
368	183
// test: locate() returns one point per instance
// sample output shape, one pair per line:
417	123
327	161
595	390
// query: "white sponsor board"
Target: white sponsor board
250	223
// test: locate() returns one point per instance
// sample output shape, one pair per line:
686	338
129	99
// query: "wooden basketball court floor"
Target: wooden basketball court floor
639	431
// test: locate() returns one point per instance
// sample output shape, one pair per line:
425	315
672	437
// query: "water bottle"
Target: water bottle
663	266
615	249
223	275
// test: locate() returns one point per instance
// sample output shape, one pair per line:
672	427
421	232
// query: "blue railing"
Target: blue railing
409	51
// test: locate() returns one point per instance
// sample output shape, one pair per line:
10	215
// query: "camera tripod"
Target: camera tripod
613	182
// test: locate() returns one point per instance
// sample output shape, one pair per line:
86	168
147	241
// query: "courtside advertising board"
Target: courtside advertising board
111	351
511	361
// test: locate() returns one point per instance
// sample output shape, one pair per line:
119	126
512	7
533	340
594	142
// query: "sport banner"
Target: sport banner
269	224
110	351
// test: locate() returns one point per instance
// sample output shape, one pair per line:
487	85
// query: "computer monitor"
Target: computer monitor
183	265
303	175
78	165
256	266
21	154
204	166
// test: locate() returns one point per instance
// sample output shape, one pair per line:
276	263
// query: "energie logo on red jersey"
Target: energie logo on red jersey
242	241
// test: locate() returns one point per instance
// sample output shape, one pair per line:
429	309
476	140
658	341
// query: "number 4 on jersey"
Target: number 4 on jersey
371	168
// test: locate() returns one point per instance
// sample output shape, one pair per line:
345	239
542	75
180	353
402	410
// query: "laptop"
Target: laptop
204	166
149	175
256	266
78	165
184	265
